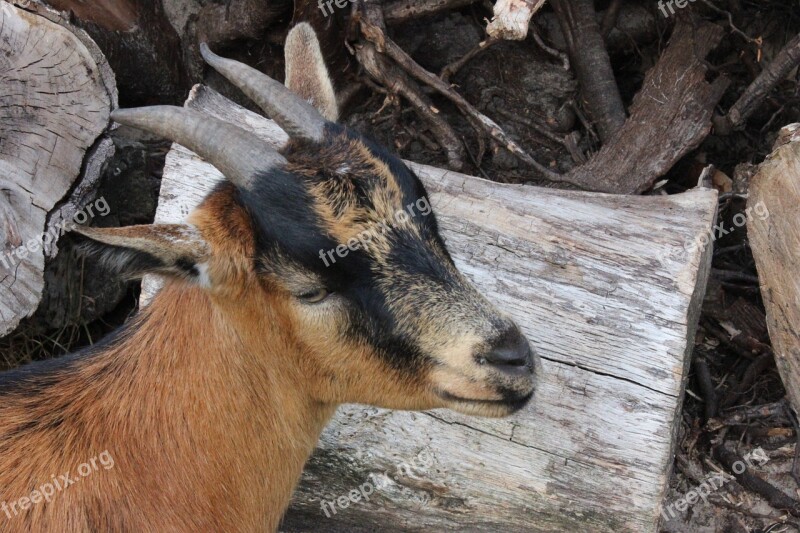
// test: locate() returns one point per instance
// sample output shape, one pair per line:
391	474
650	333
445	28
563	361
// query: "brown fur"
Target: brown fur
214	397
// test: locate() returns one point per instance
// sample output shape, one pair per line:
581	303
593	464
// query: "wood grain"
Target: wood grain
775	241
55	100
583	274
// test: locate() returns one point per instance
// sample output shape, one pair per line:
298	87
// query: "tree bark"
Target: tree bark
584	275
140	44
56	94
670	116
589	58
774	233
786	60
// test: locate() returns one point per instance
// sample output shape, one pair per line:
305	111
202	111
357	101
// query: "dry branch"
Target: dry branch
786	60
372	30
398	11
669	117
589	58
775	242
749	480
634	23
396	81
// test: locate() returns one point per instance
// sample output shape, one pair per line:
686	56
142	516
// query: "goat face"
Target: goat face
340	236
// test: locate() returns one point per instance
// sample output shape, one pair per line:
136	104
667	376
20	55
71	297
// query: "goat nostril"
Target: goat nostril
511	356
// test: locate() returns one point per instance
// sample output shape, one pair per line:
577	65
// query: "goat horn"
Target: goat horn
237	153
298	118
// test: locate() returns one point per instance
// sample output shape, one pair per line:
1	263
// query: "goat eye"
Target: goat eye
314	296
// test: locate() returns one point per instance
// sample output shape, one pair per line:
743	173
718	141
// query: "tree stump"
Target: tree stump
774	234
585	275
56	93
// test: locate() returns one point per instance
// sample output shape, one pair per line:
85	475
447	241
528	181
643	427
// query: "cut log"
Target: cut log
56	93
773	229
614	324
141	46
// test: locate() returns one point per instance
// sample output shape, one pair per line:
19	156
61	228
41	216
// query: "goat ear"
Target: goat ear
176	250
306	73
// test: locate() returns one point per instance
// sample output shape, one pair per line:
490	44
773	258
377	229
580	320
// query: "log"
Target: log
670	116
56	94
774	234
140	44
581	273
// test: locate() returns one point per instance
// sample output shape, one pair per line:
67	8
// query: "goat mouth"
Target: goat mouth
511	404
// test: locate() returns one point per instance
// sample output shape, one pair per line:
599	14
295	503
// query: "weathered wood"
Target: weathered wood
511	18
56	93
775	241
140	44
670	116
614	324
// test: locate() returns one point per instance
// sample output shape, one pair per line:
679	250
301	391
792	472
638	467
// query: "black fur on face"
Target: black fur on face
341	188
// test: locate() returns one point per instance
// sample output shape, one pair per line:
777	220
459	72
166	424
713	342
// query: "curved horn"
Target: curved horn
298	118
237	153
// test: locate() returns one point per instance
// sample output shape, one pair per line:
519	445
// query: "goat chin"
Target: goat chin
487	408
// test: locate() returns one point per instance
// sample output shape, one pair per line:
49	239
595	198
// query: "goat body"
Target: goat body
204	408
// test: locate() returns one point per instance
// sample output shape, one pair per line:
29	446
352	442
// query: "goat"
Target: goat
211	399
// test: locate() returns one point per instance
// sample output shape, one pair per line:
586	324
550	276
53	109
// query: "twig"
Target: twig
733	27
787	59
745	415
475	161
775	497
451	69
707	386
396	81
399	11
533	125
564	58
373	33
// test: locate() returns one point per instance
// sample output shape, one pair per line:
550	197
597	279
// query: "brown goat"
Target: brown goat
294	287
